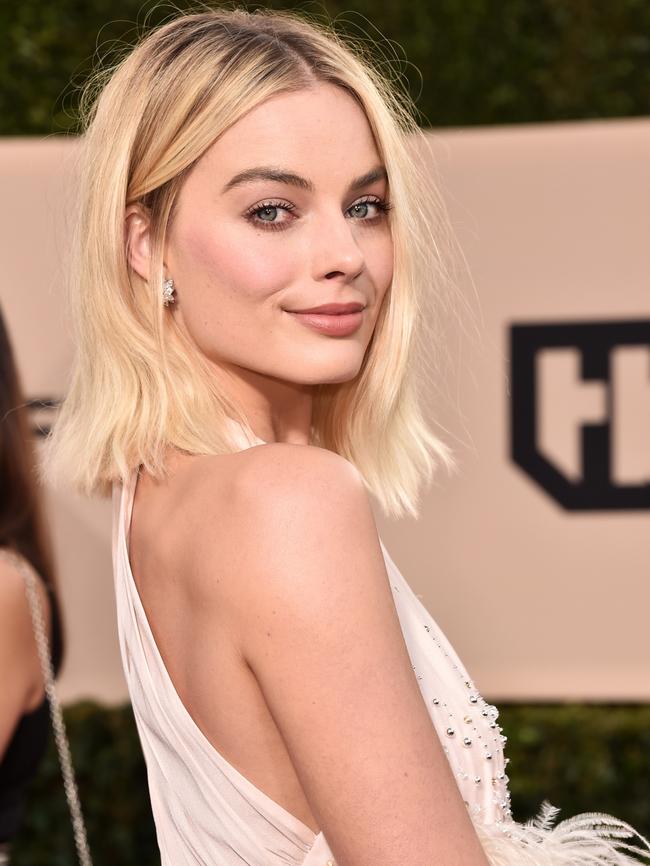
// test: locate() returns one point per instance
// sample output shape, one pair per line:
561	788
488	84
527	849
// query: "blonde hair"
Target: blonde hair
138	385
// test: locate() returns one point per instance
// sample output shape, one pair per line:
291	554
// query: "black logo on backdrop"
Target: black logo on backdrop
594	342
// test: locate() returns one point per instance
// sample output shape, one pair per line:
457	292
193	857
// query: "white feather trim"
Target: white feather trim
588	839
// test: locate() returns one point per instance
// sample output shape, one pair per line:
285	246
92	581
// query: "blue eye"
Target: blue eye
265	214
268	213
382	206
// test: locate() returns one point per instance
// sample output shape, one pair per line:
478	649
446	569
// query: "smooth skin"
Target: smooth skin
261	572
22	682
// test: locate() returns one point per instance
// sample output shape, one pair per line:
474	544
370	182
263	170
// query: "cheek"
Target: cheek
230	283
231	260
380	264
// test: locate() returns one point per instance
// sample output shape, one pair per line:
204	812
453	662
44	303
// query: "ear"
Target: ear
137	237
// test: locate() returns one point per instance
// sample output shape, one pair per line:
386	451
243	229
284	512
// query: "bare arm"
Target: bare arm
323	639
19	666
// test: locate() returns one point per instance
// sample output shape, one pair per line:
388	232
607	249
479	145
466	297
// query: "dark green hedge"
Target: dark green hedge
467	61
581	757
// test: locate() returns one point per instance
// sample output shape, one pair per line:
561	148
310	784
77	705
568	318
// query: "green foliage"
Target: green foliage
464	61
582	758
112	782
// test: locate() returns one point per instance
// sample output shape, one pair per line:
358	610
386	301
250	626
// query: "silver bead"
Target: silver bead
473	699
450	732
467	741
477	780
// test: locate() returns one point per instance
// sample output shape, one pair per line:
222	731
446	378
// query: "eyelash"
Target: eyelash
381	204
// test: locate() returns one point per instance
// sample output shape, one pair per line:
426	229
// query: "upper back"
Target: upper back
275	578
203	522
186	613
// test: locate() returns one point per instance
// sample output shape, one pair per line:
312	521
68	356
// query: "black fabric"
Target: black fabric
27	745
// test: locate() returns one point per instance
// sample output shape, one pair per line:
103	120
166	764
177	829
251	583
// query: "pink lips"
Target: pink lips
333	309
333	324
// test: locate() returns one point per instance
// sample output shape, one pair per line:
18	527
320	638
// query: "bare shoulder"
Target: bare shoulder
15	615
14	608
19	667
288	528
317	625
277	475
293	505
269	496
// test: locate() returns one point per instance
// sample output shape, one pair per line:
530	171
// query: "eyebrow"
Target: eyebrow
280	176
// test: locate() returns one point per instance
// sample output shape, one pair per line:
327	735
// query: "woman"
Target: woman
256	249
24	720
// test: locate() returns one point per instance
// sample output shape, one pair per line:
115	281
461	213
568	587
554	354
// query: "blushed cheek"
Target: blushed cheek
380	265
234	260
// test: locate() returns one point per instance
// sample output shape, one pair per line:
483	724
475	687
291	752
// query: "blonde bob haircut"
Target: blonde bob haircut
138	385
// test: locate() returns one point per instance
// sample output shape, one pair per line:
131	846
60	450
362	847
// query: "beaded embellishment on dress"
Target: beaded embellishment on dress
466	723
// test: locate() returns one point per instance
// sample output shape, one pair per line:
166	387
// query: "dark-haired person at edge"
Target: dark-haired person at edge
24	712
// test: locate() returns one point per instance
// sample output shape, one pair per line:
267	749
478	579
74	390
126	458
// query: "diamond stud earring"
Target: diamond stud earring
168	292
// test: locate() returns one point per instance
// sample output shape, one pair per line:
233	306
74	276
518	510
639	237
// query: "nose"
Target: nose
336	251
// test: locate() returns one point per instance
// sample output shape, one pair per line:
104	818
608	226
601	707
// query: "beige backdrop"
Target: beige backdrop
541	602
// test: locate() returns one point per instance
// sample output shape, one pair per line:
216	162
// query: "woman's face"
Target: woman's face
244	249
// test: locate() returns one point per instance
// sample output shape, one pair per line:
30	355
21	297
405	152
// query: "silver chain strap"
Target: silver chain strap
61	739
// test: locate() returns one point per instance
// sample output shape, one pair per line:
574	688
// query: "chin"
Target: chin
331	375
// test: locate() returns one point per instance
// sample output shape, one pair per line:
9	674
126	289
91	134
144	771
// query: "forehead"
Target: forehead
321	132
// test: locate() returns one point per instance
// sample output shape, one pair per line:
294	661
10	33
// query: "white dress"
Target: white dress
208	814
